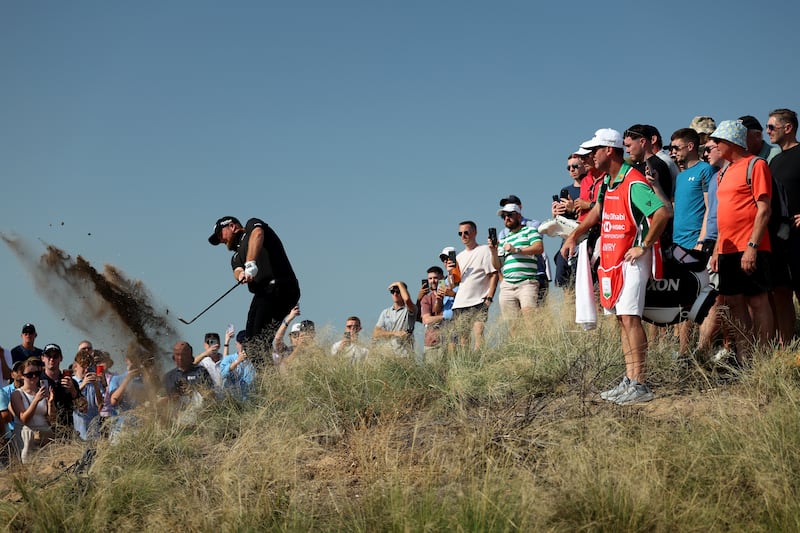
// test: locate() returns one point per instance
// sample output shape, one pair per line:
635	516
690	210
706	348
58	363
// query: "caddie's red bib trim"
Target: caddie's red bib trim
619	231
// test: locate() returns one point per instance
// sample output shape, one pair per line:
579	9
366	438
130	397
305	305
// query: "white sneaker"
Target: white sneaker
636	393
617	391
723	355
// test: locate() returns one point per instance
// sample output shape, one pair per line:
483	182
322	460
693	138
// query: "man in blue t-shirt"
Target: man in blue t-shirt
691	191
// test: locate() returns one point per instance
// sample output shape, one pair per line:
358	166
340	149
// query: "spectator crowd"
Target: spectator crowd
717	195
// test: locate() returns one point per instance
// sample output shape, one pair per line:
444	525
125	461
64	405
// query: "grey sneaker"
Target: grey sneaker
636	393
617	391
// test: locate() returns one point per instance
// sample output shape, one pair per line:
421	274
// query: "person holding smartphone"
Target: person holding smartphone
34	410
542	261
65	390
477	287
432	310
349	345
514	257
566	204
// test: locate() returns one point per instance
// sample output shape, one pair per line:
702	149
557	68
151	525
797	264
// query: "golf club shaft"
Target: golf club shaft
212	304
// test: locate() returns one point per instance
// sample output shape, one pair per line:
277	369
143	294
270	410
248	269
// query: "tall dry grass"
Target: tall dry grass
510	438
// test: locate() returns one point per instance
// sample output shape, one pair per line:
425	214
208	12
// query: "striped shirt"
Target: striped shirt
519	267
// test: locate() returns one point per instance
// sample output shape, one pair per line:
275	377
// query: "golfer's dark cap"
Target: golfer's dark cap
221	223
510	199
29	328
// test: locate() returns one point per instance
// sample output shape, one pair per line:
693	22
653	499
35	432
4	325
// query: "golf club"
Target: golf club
210	306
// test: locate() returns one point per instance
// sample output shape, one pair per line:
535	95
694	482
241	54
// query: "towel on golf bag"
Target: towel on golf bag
684	291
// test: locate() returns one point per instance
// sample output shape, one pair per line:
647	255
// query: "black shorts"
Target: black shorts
733	280
780	270
476	313
793	258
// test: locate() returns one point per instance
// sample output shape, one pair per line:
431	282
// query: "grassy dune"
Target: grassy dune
510	438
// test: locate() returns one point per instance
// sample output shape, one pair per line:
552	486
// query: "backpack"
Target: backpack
779	220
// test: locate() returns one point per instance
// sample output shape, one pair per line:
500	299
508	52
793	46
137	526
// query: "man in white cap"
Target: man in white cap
514	255
742	252
632	219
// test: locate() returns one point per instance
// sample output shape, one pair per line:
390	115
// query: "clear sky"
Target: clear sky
362	132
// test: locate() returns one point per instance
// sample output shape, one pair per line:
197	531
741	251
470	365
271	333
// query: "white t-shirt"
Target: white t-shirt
475	266
213	372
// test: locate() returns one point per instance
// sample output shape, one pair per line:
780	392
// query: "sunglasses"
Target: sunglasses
573	167
633	134
394	291
773	127
508	215
463	233
31	375
675	147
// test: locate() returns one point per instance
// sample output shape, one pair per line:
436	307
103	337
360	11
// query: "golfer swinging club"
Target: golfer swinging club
260	261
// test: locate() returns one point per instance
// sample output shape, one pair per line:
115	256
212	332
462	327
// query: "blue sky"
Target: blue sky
362	132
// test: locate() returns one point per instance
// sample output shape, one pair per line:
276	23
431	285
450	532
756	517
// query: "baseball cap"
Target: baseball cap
702	124
445	252
751	123
29	328
582	151
509	208
241	336
51	348
305	325
604	137
218	225
733	131
510	199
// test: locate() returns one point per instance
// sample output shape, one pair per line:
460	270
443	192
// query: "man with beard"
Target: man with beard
633	218
514	257
259	260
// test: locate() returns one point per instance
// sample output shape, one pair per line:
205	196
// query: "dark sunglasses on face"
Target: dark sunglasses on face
31	375
508	215
773	127
394	290
573	167
464	233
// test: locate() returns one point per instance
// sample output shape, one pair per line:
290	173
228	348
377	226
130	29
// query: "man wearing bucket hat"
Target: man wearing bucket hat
742	252
632	218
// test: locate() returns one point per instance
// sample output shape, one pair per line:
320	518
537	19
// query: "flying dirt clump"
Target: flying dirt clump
112	309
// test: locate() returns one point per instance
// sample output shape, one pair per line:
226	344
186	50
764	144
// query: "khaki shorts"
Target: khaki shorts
516	296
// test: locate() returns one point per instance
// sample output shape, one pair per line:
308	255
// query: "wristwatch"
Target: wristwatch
751	244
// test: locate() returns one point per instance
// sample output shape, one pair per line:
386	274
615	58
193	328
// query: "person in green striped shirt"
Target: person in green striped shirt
514	257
